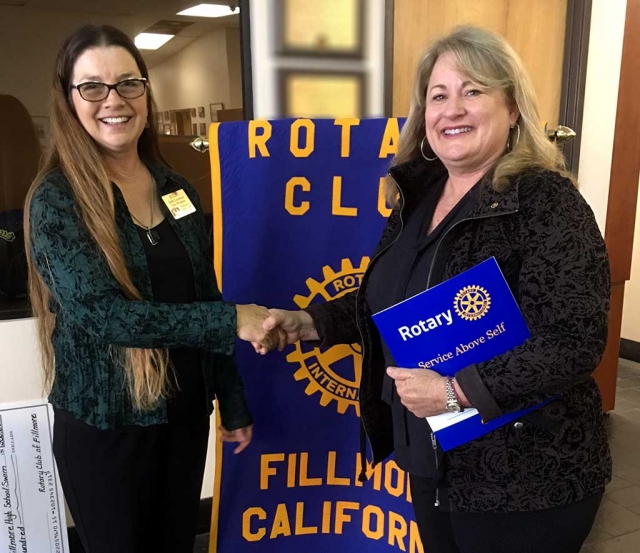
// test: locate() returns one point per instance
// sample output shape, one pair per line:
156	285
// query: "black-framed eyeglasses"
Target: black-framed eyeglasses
94	91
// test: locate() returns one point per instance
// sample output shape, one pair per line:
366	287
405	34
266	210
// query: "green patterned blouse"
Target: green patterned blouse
93	316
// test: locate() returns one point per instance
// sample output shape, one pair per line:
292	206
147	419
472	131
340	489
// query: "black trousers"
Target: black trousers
556	530
134	489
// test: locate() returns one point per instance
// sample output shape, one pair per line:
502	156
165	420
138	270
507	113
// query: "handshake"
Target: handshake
270	328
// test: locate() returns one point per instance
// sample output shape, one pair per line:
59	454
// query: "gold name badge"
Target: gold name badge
179	204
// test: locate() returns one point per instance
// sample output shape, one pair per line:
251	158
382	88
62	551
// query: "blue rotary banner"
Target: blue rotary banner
298	208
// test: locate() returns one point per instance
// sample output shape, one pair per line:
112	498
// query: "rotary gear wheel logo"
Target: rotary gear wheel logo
472	303
335	372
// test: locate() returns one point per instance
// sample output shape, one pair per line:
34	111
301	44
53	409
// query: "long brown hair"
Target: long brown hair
74	152
489	61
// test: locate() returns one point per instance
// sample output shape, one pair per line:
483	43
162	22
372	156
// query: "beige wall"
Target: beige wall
29	42
205	71
234	62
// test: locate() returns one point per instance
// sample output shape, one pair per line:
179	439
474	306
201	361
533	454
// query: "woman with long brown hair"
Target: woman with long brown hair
136	340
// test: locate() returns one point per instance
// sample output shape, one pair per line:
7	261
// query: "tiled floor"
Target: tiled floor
617	527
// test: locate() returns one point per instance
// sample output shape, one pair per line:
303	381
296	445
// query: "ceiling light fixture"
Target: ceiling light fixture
209	10
151	41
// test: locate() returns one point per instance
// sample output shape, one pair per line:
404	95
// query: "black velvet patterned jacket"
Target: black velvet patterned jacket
92	314
547	243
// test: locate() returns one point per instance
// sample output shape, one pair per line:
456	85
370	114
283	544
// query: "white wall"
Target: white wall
631	311
600	103
19	361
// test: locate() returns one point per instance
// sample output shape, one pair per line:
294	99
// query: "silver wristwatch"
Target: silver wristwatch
453	404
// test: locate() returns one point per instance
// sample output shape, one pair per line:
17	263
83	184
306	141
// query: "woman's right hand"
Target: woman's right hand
291	326
250	319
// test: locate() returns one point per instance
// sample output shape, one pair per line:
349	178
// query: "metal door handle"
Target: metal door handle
560	135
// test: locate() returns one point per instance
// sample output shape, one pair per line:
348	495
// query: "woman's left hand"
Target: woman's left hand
241	435
421	391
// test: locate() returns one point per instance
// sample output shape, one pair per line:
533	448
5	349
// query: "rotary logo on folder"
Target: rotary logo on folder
468	319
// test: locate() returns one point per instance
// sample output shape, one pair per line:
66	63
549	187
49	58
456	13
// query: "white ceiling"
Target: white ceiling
113	7
142	14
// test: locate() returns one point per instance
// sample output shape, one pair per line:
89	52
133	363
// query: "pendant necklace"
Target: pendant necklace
152	235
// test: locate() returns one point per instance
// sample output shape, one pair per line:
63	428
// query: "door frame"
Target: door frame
574	76
245	58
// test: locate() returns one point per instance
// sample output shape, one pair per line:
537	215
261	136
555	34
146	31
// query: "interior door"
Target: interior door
535	30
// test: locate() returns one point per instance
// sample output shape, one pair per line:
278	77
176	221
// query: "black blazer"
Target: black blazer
548	245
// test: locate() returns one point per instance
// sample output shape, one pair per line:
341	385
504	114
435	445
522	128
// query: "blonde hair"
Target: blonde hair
75	153
489	61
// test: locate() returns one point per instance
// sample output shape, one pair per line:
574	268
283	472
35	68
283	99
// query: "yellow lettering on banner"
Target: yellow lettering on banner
341	516
336	200
369	511
390	469
383	208
326	517
415	543
247	534
348	281
266	470
332	480
301	529
345	141
291	470
377	474
259	141
281	525
290	191
296	150
304	479
376	523
397	530
390	139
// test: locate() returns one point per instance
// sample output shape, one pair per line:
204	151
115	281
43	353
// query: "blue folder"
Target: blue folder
467	319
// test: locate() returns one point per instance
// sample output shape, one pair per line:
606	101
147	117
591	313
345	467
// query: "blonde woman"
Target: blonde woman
135	337
475	177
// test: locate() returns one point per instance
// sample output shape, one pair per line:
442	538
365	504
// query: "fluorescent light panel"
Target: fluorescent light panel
209	10
151	41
